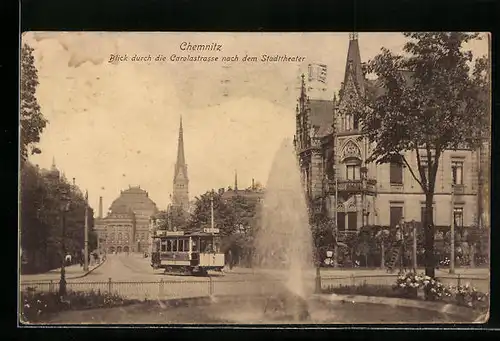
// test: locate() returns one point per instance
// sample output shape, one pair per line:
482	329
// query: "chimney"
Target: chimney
100	207
73	181
253	183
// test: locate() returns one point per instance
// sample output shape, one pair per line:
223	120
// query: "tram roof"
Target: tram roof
163	233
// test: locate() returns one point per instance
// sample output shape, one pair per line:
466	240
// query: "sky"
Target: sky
115	125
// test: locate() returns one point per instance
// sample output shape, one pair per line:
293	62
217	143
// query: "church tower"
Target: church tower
180	196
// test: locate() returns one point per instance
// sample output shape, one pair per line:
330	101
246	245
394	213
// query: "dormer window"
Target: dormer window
351	122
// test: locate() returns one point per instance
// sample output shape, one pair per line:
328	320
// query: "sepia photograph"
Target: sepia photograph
188	178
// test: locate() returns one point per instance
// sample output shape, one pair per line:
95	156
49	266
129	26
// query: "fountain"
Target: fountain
284	241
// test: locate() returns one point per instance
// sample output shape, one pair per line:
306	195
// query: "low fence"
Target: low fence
481	283
162	289
165	289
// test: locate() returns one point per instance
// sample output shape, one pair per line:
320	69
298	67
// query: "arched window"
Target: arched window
119	236
348	122
353	167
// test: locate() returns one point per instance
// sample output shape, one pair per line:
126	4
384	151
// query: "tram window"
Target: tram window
169	245
203	245
163	247
183	245
174	245
195	244
216	245
180	245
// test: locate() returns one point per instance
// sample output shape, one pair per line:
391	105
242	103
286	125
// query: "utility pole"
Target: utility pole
86	242
212	210
452	231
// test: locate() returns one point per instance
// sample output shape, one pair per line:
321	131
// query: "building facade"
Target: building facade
125	228
341	183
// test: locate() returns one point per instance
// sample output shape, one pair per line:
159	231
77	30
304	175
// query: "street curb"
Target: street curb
88	272
445	308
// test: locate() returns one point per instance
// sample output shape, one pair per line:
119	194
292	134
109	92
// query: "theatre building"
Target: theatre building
126	226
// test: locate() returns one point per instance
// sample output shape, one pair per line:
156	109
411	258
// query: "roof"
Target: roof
134	199
353	64
321	115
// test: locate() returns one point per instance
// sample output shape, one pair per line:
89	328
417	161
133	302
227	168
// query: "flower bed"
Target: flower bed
408	285
36	305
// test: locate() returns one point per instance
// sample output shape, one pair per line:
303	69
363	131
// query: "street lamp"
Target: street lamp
336	226
64	207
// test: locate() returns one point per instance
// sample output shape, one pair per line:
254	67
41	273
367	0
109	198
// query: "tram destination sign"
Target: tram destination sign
211	230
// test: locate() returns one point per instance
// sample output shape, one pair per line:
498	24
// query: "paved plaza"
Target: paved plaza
132	276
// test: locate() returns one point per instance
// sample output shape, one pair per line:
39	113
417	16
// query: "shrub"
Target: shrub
466	295
35	305
407	286
363	289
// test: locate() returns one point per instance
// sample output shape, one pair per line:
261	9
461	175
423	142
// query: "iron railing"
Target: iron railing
172	289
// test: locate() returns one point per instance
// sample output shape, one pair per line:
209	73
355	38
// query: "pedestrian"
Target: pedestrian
67	259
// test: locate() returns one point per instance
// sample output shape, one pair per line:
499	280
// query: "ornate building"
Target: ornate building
126	226
180	196
254	192
332	155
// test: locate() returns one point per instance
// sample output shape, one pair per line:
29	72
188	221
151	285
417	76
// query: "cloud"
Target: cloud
77	60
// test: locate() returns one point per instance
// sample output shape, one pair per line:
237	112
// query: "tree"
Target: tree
201	217
32	121
178	217
382	236
433	105
321	228
40	219
236	217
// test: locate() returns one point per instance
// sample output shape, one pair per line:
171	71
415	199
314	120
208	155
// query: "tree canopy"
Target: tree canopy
40	219
425	103
32	122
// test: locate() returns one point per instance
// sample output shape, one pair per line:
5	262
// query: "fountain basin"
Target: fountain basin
250	310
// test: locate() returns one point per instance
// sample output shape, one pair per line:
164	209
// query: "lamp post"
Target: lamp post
86	238
414	227
402	226
64	207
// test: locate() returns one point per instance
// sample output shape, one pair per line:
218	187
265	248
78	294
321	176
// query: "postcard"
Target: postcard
231	179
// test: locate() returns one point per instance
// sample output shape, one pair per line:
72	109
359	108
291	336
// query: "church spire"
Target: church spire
180	146
180	196
353	64
235	180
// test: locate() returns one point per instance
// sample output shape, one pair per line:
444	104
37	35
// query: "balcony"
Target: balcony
346	235
355	186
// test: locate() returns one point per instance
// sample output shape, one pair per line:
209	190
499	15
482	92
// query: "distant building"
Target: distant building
332	153
126	226
255	191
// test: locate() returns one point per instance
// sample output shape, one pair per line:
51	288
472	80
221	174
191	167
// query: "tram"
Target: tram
186	253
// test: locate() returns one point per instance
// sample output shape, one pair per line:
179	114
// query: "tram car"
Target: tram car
186	253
